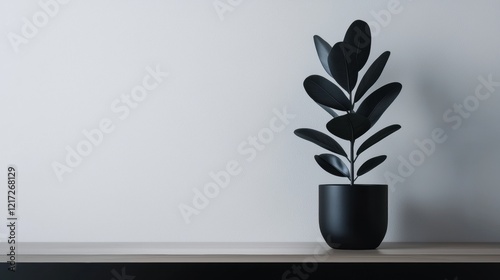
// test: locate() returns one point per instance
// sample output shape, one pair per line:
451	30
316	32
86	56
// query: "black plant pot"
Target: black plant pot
353	216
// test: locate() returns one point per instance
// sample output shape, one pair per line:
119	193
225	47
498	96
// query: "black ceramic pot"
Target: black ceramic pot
353	216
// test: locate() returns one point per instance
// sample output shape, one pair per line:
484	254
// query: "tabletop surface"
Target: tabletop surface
252	252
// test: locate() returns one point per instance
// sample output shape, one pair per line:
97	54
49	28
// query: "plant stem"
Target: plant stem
352	162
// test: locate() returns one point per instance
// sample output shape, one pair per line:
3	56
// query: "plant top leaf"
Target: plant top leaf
358	35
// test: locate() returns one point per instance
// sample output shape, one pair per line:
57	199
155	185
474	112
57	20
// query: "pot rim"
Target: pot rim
354	186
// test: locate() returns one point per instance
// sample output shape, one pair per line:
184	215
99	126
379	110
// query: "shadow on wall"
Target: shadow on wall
454	195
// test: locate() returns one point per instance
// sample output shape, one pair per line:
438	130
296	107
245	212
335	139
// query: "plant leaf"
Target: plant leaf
377	137
342	65
320	139
326	93
328	110
371	75
370	164
376	103
358	35
349	126
333	165
323	49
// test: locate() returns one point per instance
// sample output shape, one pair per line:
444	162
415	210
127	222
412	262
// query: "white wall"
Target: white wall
229	72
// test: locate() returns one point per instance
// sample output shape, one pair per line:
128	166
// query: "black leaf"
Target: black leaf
377	137
376	103
370	164
333	165
371	75
349	126
323	49
320	139
326	93
342	63
358	35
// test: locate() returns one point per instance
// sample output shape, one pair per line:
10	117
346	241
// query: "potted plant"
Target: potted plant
351	216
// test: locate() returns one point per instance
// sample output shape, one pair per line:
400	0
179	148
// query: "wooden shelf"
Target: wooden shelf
254	252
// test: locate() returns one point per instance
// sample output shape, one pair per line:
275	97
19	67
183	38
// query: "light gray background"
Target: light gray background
227	73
